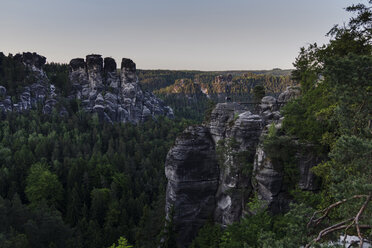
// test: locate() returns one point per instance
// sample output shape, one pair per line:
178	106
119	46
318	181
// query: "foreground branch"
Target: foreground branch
354	221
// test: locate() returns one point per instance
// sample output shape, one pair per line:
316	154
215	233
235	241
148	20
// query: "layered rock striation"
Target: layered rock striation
213	169
96	83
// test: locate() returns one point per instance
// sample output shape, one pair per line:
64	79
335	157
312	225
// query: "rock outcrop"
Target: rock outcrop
213	169
192	173
114	97
236	132
39	91
96	82
207	178
268	173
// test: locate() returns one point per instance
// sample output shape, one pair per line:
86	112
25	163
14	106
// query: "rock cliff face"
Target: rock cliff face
192	173
213	169
96	82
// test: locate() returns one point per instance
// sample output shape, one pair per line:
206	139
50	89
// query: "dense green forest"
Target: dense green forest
334	115
75	182
13	74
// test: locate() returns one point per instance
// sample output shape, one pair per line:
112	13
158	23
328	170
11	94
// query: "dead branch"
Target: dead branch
354	221
326	211
357	218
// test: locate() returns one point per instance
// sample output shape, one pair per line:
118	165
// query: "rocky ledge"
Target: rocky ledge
96	83
213	169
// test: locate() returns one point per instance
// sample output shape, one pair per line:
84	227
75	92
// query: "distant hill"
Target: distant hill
157	79
192	95
228	83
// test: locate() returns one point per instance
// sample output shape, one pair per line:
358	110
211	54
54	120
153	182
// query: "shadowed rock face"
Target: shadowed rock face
76	64
199	187
192	173
128	71
234	136
94	62
31	59
110	65
95	71
128	65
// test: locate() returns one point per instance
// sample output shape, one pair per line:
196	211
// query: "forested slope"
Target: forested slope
75	182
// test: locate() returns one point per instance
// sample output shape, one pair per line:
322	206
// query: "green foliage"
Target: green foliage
13	74
41	184
58	75
208	236
31	227
168	236
208	112
248	231
99	176
122	243
334	115
281	150
332	120
258	93
191	108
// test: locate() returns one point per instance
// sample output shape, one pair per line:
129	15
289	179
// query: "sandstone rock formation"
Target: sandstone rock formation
192	173
236	133
96	82
268	173
40	91
205	183
114	97
213	169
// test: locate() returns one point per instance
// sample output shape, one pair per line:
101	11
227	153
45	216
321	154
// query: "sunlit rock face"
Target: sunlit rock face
213	169
95	83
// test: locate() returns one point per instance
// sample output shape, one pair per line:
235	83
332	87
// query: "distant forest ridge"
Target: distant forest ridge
157	79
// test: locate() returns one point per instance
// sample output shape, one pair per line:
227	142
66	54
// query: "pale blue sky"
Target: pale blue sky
170	34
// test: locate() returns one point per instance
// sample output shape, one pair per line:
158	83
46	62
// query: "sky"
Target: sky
171	34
